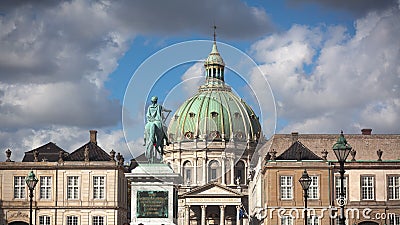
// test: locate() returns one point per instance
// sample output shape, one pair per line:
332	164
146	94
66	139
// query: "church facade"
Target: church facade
213	136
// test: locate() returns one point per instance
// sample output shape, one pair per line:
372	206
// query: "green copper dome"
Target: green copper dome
214	112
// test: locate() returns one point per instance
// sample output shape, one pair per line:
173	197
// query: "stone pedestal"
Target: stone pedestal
153	194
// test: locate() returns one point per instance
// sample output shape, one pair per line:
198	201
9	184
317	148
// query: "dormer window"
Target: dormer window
176	117
214	114
191	114
236	115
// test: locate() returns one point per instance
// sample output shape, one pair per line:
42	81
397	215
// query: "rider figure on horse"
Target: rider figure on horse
154	130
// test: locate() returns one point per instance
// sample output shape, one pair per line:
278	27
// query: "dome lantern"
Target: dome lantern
214	65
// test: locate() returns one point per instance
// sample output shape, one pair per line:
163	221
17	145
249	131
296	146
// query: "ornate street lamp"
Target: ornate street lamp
31	181
341	149
305	182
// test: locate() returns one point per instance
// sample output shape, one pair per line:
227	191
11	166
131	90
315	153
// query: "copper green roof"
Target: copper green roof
214	112
214	57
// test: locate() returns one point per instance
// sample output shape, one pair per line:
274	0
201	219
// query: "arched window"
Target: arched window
187	172
240	172
214	170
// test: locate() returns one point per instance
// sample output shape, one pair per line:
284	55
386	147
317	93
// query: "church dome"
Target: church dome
214	113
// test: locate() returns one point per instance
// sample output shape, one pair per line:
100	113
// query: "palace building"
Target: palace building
371	184
86	186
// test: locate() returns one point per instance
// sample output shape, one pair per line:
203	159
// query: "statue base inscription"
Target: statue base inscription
153	196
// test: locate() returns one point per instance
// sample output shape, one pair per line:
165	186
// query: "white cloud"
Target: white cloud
56	57
193	78
325	79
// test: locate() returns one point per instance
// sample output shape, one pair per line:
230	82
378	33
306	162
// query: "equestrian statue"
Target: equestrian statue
155	131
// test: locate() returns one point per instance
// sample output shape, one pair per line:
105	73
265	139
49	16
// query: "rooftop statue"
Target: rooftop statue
155	131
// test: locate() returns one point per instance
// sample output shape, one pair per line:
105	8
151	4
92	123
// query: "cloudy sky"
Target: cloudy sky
65	65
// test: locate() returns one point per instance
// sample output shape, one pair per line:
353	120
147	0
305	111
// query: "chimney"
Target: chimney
93	136
366	131
295	136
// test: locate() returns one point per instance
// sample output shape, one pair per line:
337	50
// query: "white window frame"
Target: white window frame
45	187
98	220
99	187
44	220
73	188
394	187
367	187
313	220
19	187
286	187
337	187
287	220
72	220
394	220
313	190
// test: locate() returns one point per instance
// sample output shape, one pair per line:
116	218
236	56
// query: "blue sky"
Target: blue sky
65	66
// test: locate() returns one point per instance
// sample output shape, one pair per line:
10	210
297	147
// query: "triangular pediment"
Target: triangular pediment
213	189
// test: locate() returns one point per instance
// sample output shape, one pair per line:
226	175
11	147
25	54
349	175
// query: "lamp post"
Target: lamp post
31	181
341	149
305	182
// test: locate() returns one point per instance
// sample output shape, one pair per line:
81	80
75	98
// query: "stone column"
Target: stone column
232	171
245	174
223	169
204	170
180	163
237	215
222	213
203	214
187	215
195	170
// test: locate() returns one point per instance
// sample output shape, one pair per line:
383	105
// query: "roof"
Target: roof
214	112
366	146
138	160
297	151
48	152
95	153
214	57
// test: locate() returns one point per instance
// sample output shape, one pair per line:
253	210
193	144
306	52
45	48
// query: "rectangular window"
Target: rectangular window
286	220
313	190
72	187
188	175
98	187
337	220
72	220
367	188
394	220
97	220
313	220
213	174
337	187
19	187
45	187
286	187
44	220
394	187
